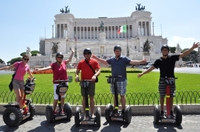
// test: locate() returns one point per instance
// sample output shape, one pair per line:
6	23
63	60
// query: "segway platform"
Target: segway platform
166	119
59	117
89	121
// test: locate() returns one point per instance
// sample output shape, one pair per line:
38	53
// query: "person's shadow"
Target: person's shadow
84	128
167	127
45	126
114	126
6	128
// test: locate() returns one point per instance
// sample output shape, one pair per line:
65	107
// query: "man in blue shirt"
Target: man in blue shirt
118	66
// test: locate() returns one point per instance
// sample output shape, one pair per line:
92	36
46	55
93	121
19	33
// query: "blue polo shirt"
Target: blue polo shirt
118	66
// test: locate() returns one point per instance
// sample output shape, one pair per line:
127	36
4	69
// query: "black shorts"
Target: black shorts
162	88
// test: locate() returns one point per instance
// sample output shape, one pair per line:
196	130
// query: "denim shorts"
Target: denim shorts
121	87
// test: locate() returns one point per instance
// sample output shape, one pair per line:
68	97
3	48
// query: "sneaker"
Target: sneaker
62	113
82	116
172	114
91	116
54	112
162	113
22	111
87	118
115	113
122	113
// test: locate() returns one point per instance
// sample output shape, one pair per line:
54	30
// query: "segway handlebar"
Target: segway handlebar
170	77
86	80
59	81
113	79
119	76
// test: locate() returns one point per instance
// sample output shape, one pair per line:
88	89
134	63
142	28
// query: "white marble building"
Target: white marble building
79	33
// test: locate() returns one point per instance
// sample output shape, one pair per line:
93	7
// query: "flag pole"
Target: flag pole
127	40
75	55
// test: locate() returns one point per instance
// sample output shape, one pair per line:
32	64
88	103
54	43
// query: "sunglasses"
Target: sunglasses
26	59
59	57
87	53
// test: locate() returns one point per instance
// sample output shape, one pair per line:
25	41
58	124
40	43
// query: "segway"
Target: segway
88	120
167	118
114	114
12	116
61	89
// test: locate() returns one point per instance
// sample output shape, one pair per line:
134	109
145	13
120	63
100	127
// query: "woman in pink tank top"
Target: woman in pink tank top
21	68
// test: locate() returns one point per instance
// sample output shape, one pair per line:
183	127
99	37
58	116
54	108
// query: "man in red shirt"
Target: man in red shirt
88	74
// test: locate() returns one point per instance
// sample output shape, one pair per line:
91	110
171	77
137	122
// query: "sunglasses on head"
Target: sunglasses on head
26	59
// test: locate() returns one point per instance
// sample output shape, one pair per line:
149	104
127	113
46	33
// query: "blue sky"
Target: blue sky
23	22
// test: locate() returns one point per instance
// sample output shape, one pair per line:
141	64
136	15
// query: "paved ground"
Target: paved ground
138	124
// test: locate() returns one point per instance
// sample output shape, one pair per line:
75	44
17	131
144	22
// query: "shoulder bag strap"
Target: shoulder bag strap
16	69
90	66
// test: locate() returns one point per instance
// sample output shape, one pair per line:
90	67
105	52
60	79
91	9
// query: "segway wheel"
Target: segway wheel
178	114
128	115
156	114
31	110
98	116
77	116
12	116
108	112
68	110
49	114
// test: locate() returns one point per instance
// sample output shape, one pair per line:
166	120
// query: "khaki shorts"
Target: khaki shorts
91	90
18	84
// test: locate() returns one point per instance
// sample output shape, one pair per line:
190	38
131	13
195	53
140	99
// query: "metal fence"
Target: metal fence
182	97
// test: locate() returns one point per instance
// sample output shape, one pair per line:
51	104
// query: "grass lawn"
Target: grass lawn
146	84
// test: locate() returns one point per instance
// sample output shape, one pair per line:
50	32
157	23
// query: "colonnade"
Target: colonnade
91	32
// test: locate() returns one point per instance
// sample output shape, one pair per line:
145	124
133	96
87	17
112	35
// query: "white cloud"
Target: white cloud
183	42
181	39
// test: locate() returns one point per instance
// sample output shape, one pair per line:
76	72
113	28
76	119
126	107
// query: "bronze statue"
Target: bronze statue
102	26
139	8
146	46
62	10
66	10
54	47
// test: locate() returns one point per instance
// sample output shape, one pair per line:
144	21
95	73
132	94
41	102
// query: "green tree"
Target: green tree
172	49
12	61
1	61
191	57
34	52
23	53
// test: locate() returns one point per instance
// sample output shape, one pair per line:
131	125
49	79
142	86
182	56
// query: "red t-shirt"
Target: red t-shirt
86	71
59	71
